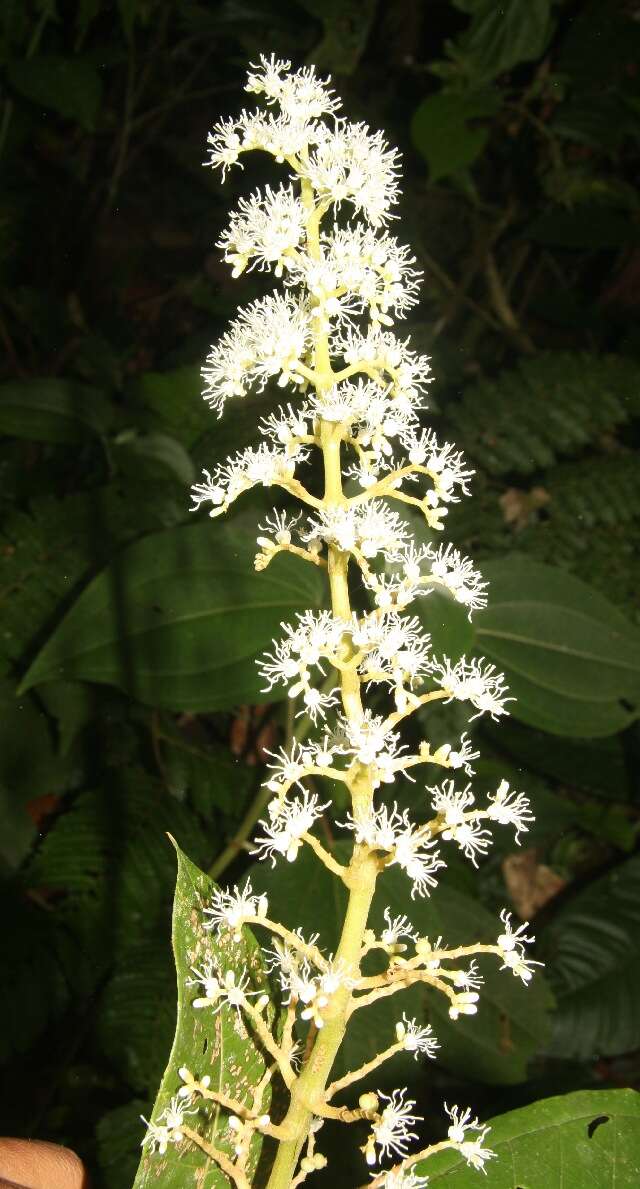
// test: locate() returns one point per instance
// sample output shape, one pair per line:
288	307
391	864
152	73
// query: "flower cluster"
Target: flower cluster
357	395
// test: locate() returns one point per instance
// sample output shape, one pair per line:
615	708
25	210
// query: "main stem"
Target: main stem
308	1089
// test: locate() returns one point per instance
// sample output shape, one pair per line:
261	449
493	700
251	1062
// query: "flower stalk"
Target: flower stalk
359	392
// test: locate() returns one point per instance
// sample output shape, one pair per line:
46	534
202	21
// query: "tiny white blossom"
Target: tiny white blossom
397	928
289	822
452	807
471	1149
403	1179
167	1129
416	1039
229	910
510	809
474	681
511	944
391	1131
266	230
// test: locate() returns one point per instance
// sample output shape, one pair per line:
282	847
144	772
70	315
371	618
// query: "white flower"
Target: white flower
316	636
267	339
371	528
459	825
403	1179
407	372
391	1131
300	94
457	574
229	910
266	229
167	1128
396	928
392	831
371	267
474	681
471	1149
510	809
353	164
289	822
511	944
230	989
416	1039
266	466
369	741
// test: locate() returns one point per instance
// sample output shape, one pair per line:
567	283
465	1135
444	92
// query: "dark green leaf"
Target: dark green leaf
216	1044
152	456
69	86
590	1138
569	655
502	35
49	410
178	619
593	963
136	1014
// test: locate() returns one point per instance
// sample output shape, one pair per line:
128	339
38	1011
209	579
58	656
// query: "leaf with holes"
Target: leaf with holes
590	1138
216	1044
591	951
178	642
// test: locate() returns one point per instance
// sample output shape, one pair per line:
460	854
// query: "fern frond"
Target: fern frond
548	407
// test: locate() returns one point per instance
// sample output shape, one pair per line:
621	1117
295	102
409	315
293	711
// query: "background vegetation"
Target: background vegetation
130	705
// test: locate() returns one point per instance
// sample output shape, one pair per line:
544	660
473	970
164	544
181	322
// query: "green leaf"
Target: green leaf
346	27
29	769
136	1014
568	654
442	129
118	1144
178	619
49	410
502	35
594	764
69	86
205	1042
591	949
447	622
495	1046
153	456
589	1138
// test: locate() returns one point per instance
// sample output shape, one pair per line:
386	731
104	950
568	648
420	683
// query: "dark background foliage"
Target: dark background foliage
130	706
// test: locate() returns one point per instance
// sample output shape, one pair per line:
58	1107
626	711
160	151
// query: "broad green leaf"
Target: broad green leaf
494	1046
560	714
570	657
70	86
586	1140
591	950
444	129
205	1042
178	619
49	410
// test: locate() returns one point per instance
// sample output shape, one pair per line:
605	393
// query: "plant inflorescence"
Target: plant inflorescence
358	391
